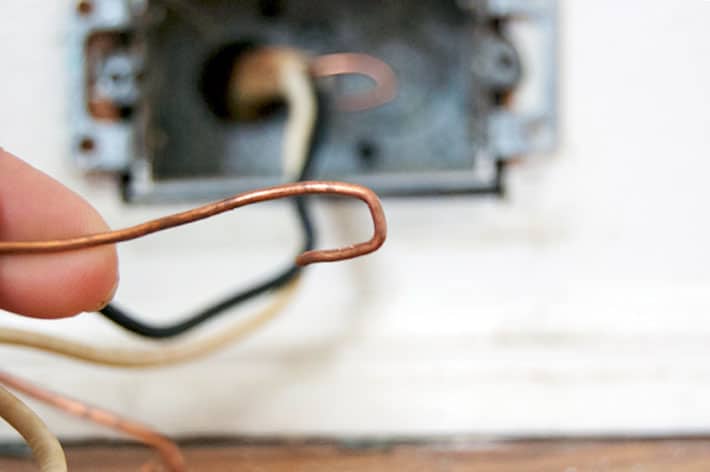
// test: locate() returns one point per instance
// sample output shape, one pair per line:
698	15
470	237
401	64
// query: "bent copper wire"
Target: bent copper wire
168	450
348	63
236	201
256	72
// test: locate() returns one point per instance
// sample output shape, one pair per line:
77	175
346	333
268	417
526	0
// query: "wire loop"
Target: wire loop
247	198
348	63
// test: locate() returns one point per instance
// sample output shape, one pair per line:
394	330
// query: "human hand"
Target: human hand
33	206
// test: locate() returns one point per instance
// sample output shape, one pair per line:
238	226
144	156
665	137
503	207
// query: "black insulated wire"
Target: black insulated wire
133	324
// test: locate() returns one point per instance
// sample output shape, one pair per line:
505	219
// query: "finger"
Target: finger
33	206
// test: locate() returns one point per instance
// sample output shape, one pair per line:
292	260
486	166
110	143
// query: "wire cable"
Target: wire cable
46	449
300	140
168	450
304	128
129	322
146	358
298	90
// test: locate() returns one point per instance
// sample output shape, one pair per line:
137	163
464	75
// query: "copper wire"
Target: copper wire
236	201
347	63
168	450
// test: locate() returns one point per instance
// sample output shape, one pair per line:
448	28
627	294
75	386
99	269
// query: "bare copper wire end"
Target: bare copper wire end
168	450
247	198
380	72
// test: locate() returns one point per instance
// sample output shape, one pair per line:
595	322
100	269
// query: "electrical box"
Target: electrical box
462	67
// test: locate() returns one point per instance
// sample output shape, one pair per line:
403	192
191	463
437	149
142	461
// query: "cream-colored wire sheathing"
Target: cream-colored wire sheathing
46	449
144	358
302	104
269	74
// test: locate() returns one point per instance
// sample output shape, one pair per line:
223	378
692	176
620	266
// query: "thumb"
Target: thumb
33	206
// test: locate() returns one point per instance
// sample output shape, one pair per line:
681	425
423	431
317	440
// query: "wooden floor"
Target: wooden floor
562	456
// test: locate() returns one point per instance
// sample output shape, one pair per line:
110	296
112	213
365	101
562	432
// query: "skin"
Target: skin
33	206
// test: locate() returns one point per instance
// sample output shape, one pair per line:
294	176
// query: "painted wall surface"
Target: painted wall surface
579	304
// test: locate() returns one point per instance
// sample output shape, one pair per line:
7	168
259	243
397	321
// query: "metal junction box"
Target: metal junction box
463	68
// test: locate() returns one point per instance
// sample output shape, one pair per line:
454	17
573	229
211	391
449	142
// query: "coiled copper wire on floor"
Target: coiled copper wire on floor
247	198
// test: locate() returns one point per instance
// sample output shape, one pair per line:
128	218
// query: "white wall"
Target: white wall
579	304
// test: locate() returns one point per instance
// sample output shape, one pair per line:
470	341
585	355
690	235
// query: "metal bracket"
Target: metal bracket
98	145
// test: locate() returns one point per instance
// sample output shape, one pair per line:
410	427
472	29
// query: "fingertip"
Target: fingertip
34	206
60	285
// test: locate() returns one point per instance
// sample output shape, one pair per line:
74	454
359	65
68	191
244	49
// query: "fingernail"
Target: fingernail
112	293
